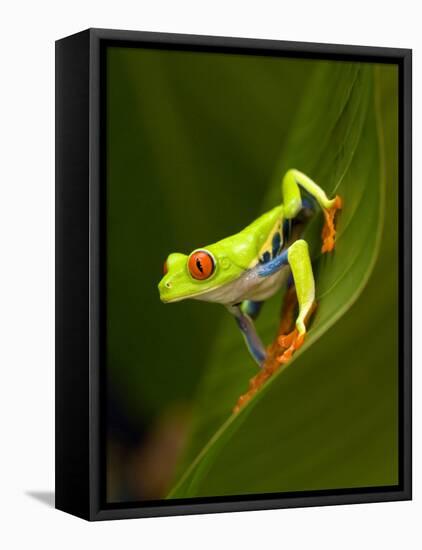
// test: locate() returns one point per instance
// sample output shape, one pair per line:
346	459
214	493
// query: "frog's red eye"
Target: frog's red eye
165	268
201	264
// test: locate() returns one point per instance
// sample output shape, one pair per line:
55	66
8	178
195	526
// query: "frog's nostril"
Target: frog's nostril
168	285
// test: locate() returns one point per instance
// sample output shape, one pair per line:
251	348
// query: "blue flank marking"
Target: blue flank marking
266	257
276	244
286	230
275	265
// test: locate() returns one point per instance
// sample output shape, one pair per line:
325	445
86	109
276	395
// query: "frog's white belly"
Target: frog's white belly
250	286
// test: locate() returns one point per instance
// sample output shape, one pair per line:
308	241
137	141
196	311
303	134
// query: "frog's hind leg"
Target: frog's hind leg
301	295
253	341
293	203
251	308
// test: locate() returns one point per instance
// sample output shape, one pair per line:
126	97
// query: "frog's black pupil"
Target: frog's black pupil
199	265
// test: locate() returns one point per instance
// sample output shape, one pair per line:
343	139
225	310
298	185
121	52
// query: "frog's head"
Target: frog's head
205	269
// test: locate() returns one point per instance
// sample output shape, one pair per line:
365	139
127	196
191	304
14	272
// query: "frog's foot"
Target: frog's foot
279	352
329	231
290	343
270	364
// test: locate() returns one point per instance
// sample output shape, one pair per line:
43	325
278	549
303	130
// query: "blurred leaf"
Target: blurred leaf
328	418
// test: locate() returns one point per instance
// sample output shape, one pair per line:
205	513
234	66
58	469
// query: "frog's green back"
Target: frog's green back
246	247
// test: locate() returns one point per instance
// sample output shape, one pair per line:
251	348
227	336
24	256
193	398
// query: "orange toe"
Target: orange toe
286	340
293	342
329	231
279	352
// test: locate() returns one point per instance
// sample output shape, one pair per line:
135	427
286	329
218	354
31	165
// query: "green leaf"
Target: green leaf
328	418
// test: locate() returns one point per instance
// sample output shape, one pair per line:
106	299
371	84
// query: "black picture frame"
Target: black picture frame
80	272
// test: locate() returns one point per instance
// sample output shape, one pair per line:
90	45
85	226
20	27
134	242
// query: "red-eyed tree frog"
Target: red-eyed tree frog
245	269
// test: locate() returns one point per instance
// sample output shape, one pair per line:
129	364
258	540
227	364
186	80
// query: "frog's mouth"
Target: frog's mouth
169	295
173	299
224	294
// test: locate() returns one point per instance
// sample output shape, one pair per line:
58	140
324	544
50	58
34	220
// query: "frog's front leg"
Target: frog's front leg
293	202
297	257
250	335
303	278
